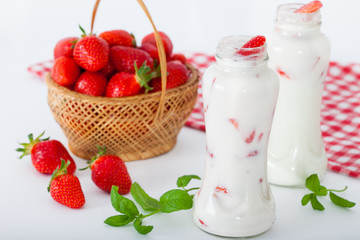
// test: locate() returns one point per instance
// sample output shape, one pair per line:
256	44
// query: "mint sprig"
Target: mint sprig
313	184
171	201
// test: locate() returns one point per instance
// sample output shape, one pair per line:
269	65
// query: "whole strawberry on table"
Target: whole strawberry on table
46	154
112	65
109	170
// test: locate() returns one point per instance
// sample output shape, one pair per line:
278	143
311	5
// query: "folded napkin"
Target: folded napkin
340	112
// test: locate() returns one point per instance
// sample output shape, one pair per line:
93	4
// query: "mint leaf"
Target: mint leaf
122	204
184	180
341	201
175	200
306	199
141	228
315	203
146	202
313	183
118	220
322	191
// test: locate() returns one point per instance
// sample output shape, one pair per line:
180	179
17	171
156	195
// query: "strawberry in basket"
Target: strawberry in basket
132	120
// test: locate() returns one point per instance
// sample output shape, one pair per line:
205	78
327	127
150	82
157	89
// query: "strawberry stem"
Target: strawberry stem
61	170
143	76
101	152
83	31
26	150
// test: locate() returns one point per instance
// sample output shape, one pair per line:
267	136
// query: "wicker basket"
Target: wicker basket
133	128
127	126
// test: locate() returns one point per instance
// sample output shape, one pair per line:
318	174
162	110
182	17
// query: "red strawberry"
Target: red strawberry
150	38
310	7
109	69
91	83
124	58
65	188
109	170
178	56
91	52
177	75
65	47
151	50
254	42
65	71
127	84
118	37
46	154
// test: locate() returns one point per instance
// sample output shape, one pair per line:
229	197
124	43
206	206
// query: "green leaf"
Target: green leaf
315	203
122	204
175	200
313	183
141	228
322	191
306	199
341	201
184	180
118	220
141	197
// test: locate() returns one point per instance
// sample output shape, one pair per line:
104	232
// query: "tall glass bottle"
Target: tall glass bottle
239	94
300	54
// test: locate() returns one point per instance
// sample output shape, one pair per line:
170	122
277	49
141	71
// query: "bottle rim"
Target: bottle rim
285	13
230	49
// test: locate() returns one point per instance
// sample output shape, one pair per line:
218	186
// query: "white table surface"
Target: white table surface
29	31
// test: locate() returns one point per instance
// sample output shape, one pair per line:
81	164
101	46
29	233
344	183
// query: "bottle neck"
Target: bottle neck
243	66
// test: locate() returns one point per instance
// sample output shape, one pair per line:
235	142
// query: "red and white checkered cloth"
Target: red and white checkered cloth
340	111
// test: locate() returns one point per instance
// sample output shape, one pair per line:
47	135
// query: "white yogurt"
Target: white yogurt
239	96
299	53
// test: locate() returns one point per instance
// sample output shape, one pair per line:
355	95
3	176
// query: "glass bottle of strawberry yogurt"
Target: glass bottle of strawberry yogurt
300	54
239	95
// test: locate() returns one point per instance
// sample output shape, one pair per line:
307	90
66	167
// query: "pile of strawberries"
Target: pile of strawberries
51	157
112	65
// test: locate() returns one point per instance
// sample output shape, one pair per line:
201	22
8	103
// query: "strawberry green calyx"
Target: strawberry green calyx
101	152
83	32
62	170
143	76
26	150
133	40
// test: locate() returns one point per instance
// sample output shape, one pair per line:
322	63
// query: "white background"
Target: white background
28	32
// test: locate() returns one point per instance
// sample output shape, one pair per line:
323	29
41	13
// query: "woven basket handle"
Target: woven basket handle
161	50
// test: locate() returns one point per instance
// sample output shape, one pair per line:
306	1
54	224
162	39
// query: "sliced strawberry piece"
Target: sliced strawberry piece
250	138
282	73
310	7
221	189
254	42
234	122
253	153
